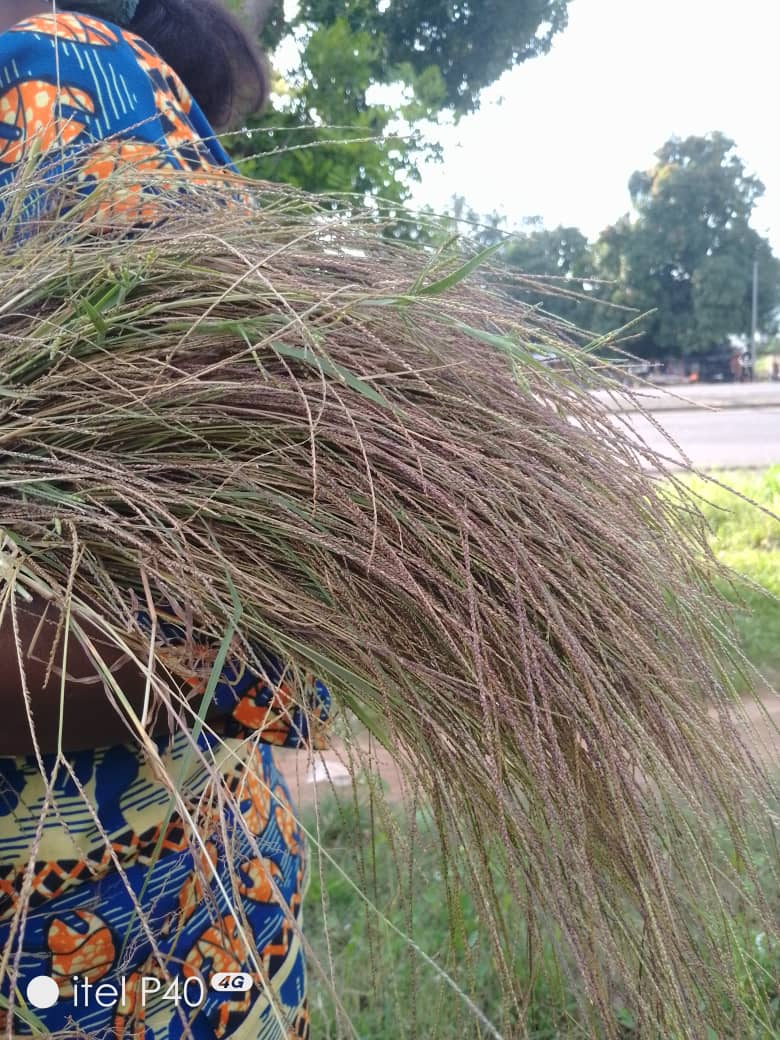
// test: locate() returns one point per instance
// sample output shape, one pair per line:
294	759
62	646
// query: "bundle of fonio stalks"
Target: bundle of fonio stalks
350	451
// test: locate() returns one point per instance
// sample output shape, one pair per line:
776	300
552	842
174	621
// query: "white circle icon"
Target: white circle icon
42	992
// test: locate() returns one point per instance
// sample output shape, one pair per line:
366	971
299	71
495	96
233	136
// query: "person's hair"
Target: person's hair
211	52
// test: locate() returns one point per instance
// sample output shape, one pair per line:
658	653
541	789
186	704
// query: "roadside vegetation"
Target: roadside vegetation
744	520
387	989
368	949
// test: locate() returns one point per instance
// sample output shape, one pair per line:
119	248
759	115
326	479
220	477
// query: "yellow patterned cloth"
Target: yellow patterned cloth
107	875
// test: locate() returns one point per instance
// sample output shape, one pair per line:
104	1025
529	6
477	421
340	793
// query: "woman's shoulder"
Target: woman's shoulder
66	26
83	58
60	39
74	81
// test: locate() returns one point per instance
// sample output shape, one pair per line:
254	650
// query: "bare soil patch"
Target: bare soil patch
314	776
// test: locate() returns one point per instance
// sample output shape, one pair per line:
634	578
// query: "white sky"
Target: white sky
624	77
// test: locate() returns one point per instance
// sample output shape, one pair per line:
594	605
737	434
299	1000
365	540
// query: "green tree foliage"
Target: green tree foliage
301	138
687	252
561	258
372	73
683	259
556	264
469	44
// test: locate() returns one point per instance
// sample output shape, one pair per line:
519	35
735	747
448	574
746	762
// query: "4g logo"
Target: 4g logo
231	982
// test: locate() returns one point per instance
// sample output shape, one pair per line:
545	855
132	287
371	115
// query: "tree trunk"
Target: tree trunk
256	13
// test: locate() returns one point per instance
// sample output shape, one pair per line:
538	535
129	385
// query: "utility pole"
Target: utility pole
754	324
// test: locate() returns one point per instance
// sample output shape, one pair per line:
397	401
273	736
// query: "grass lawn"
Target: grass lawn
388	991
748	540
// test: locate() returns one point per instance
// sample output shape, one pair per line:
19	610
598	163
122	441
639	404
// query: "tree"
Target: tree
371	73
688	250
469	44
561	258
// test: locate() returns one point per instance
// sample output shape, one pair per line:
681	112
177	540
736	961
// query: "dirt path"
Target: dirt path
764	719
323	774
314	777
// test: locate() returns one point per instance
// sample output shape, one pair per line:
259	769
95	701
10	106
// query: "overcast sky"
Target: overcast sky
623	77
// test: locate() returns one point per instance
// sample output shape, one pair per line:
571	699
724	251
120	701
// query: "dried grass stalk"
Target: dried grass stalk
359	444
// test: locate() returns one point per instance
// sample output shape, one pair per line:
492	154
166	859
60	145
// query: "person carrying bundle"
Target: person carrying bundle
102	879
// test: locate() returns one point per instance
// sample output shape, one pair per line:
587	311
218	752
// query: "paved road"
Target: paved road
717	440
710	395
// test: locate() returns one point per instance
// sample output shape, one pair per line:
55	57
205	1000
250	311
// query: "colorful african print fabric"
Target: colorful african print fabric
79	94
133	893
